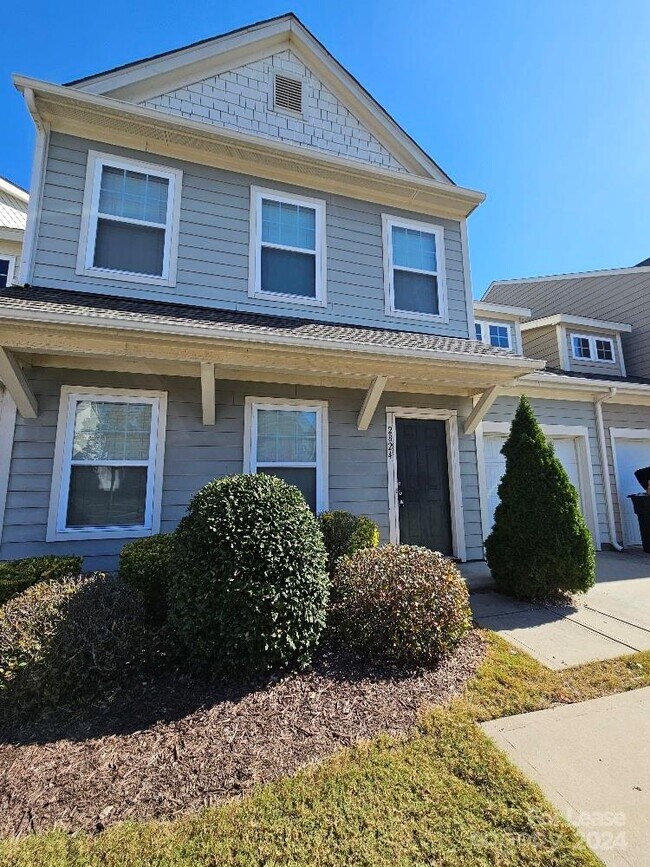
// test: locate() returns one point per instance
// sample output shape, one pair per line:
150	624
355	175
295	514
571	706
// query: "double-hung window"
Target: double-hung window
287	247
414	272
588	347
289	439
7	265
130	228
495	333
108	464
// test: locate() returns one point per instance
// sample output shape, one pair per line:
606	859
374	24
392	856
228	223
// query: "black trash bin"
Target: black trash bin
641	503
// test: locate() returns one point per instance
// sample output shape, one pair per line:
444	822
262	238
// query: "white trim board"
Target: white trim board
450	417
580	434
7	428
56	531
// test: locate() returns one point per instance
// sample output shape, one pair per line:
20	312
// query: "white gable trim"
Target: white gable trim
147	79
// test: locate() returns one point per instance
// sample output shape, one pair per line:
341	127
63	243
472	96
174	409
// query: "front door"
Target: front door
423	484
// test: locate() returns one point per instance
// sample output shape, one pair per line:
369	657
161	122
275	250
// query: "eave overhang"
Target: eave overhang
120	343
107	120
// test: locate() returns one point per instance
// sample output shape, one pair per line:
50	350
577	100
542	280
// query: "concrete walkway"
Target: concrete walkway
592	761
612	619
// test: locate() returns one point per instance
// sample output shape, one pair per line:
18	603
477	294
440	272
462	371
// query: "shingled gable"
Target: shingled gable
225	81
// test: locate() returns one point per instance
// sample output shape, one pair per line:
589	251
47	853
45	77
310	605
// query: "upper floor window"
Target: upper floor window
494	333
414	273
588	347
287	247
7	265
130	227
108	475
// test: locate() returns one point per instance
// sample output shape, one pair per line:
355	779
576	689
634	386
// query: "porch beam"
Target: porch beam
370	402
208	393
16	385
479	412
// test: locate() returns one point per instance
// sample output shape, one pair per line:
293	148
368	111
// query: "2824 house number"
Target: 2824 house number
390	441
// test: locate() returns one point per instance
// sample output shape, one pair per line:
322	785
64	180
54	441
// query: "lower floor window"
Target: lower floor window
287	439
109	447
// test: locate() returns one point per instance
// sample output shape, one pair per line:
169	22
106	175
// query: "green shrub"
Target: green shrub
61	642
18	575
399	603
345	533
539	546
249	589
146	565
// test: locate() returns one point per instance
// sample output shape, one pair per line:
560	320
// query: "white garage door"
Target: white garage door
495	465
631	455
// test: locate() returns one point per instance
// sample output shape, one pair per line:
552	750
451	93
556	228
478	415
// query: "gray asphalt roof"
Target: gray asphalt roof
57	301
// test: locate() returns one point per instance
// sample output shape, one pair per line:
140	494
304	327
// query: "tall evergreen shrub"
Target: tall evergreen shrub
539	546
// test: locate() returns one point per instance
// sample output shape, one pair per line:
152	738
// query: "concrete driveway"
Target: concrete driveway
612	619
592	761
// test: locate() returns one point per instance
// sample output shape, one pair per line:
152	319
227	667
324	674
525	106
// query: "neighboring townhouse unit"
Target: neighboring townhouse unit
13	218
597	413
235	261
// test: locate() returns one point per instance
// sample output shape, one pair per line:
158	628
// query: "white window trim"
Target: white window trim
70	395
253	404
7	429
450	417
86	252
592	338
255	247
11	271
485	331
388	221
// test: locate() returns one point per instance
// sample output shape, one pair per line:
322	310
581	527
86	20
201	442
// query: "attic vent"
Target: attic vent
288	93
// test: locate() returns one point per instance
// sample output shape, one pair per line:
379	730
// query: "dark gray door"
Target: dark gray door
423	484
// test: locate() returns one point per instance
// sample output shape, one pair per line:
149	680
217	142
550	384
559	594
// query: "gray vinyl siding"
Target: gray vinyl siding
604	368
214	242
621	416
615	297
195	454
542	343
564	412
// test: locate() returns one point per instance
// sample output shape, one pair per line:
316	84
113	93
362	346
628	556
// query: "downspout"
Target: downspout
37	182
604	465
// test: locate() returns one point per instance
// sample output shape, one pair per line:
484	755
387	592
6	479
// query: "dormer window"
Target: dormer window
287	93
588	347
495	333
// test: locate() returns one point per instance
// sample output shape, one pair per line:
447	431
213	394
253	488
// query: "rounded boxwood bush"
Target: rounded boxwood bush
146	564
63	642
345	533
249	590
399	603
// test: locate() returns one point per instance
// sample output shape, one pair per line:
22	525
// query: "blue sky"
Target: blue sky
544	105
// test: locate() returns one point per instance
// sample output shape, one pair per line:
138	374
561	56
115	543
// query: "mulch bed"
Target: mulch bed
172	745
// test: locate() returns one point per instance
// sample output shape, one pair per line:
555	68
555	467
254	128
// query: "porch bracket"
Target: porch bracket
208	394
479	412
370	402
16	385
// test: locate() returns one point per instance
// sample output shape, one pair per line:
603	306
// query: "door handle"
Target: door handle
400	493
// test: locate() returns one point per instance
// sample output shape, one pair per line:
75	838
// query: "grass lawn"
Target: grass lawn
444	796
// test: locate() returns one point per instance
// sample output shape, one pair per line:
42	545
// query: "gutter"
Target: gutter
37	182
604	465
